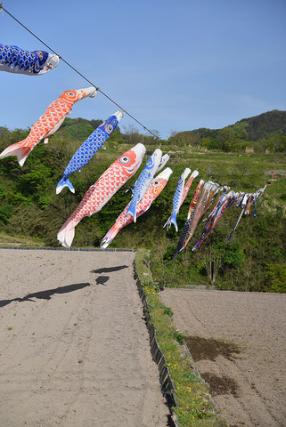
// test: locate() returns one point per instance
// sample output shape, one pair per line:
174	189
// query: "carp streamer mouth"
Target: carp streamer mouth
52	62
86	92
131	169
49	66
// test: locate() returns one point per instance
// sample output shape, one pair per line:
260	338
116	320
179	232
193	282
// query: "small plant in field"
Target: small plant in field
168	311
179	336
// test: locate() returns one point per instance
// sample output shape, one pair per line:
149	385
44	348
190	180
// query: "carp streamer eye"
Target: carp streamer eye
124	160
109	128
156	183
71	94
41	55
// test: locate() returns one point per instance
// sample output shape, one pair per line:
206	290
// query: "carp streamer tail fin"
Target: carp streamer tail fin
178	250
109	237
184	238
66	234
132	209
172	220
19	150
64	182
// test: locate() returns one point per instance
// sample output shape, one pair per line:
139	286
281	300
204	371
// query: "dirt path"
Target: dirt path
238	342
74	349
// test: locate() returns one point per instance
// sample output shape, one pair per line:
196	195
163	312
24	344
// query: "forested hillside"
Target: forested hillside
263	133
253	260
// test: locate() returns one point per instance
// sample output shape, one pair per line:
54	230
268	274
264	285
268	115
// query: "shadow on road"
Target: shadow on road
109	269
101	280
47	294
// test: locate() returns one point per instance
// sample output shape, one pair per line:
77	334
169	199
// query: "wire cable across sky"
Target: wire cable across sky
2	8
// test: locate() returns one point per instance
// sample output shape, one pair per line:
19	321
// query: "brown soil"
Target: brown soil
238	342
74	348
220	385
203	348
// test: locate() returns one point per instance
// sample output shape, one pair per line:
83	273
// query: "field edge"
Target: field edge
187	394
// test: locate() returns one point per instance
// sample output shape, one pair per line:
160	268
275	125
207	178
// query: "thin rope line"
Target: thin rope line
78	72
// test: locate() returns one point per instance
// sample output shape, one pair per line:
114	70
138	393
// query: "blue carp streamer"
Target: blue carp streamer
88	149
144	180
17	60
177	200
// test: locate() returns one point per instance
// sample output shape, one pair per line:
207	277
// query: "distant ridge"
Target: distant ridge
267	131
265	124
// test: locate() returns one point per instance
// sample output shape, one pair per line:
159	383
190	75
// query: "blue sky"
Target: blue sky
176	65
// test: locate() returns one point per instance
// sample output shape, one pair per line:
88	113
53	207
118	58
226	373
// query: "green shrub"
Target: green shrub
276	276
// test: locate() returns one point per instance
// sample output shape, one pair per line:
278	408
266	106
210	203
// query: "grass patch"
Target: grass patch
7	240
194	407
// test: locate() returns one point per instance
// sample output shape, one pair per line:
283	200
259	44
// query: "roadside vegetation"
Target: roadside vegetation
8	241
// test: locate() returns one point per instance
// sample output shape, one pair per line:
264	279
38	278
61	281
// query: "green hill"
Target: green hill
266	132
265	124
254	260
